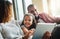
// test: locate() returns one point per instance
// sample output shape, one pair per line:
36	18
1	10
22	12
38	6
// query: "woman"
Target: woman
9	29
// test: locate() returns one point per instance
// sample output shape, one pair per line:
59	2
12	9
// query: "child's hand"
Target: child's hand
31	32
26	36
25	30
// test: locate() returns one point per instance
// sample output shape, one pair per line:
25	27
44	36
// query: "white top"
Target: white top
11	30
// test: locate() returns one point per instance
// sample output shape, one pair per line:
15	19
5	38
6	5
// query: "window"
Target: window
18	9
21	8
45	6
55	7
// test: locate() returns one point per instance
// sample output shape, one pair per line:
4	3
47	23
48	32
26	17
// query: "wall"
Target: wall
38	4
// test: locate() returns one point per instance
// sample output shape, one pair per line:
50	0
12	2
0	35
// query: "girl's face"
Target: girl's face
28	21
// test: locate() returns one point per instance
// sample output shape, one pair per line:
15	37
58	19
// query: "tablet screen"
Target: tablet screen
42	28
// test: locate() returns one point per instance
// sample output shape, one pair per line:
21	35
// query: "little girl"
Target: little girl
29	24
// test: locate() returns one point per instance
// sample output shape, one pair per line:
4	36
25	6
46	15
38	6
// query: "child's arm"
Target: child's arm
25	30
29	33
32	31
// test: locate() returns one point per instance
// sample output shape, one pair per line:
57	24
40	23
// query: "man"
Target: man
45	17
31	9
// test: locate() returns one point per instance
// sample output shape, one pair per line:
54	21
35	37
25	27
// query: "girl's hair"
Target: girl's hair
34	21
5	11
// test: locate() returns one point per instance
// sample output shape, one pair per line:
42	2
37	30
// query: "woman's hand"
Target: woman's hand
46	35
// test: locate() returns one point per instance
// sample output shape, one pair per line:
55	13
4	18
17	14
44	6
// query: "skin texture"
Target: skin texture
28	21
46	35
